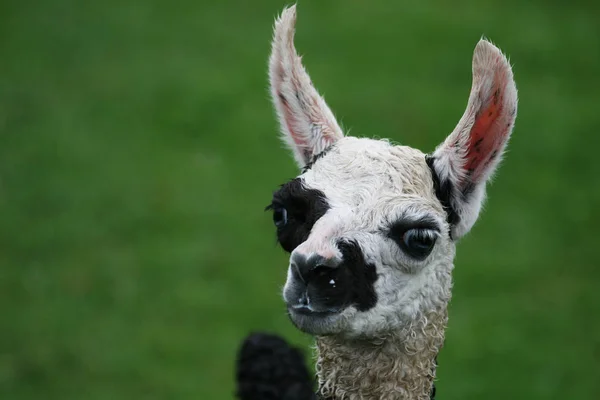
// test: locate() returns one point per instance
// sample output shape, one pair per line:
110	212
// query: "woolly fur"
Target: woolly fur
400	365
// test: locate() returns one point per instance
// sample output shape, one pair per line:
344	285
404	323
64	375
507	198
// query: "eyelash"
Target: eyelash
416	241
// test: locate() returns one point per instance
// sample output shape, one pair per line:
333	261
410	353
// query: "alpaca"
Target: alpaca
371	227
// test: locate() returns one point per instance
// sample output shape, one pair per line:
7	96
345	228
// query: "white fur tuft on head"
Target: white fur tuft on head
307	124
470	155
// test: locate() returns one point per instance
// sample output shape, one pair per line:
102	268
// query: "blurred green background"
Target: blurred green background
138	149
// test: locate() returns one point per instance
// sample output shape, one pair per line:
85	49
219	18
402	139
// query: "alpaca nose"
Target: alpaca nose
317	284
314	266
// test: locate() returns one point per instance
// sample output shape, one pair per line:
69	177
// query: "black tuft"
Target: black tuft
443	191
315	158
363	275
268	368
304	207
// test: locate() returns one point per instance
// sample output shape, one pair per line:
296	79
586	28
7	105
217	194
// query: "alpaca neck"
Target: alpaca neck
398	366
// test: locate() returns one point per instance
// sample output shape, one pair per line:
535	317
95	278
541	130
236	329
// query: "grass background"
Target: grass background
138	149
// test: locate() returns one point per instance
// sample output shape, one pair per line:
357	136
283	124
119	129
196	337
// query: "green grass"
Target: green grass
138	149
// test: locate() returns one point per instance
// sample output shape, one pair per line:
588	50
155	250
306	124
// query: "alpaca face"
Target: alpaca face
371	226
368	239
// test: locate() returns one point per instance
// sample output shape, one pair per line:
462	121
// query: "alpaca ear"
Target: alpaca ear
468	158
308	126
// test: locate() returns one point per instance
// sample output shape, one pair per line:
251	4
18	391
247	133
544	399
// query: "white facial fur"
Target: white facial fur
369	184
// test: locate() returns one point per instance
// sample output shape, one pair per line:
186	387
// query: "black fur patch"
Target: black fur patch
269	368
363	275
443	191
304	207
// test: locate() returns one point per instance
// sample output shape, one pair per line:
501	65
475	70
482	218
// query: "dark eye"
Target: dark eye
279	216
418	243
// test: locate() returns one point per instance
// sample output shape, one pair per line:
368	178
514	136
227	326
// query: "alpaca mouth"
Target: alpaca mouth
308	310
314	322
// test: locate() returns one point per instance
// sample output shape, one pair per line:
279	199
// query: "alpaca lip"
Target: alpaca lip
314	322
308	311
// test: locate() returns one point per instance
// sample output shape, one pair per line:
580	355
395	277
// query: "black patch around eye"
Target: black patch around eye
362	275
303	207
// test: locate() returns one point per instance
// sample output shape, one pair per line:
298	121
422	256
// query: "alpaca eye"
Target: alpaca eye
418	243
280	216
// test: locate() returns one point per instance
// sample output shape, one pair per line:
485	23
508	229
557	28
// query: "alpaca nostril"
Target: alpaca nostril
297	272
317	284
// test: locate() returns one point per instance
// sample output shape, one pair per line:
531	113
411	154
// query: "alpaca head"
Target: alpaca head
371	226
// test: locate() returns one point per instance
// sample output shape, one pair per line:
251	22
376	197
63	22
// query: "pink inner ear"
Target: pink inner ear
486	137
291	123
290	119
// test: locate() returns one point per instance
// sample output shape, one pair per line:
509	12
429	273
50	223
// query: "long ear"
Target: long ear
469	156
307	124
